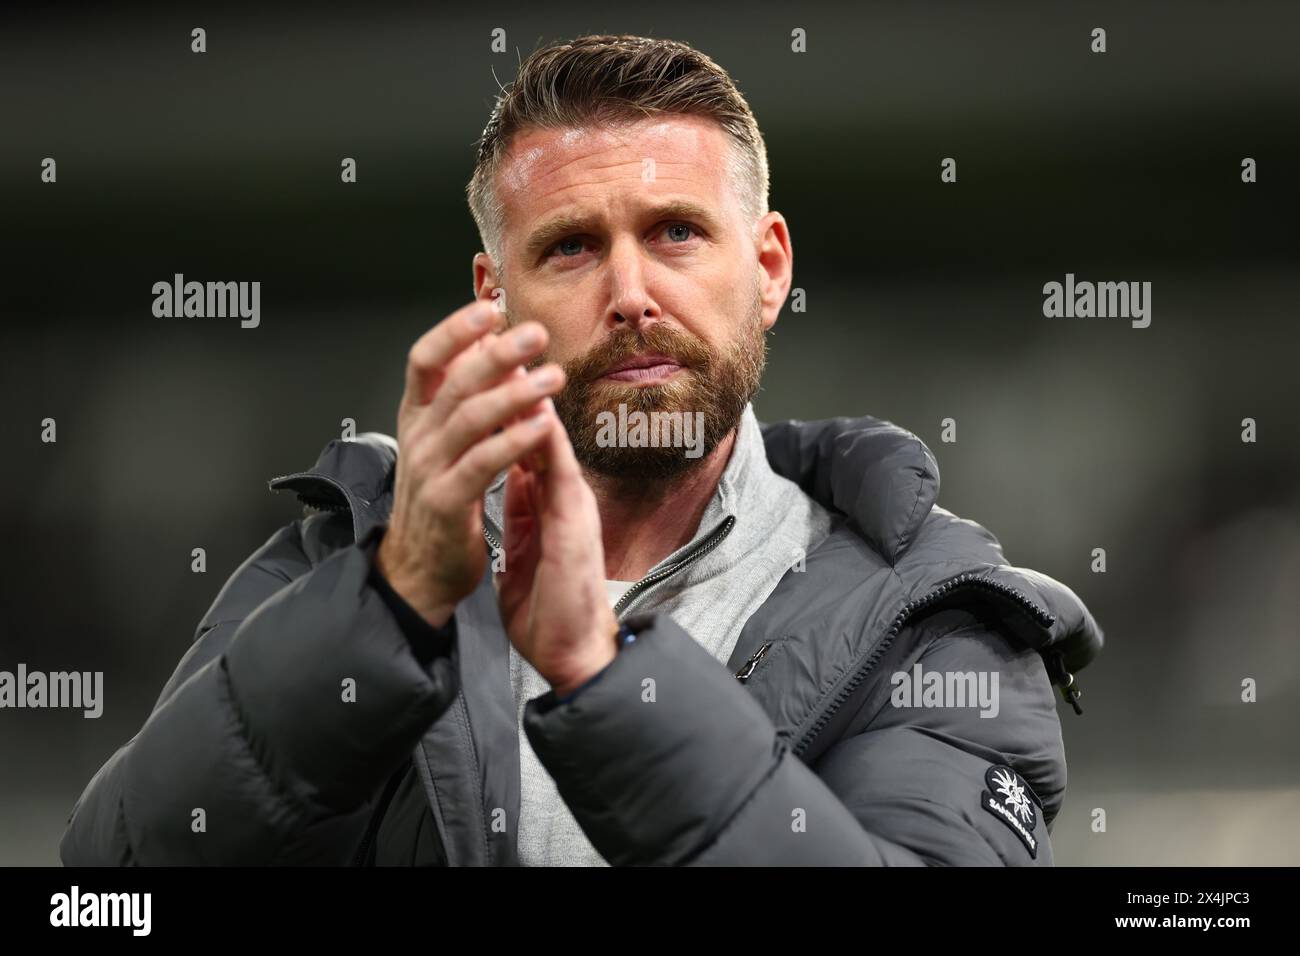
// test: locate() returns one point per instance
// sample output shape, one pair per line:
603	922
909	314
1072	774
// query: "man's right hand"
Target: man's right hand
463	382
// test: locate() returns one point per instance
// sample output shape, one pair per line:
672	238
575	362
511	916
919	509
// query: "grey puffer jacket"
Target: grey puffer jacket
799	751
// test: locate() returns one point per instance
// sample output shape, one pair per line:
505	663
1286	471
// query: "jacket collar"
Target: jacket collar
882	478
355	474
885	480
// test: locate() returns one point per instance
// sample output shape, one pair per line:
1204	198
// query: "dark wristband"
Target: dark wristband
427	642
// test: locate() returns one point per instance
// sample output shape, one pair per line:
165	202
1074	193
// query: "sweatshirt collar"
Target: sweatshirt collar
746	469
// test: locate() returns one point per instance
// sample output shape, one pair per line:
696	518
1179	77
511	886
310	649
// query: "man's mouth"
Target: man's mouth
643	369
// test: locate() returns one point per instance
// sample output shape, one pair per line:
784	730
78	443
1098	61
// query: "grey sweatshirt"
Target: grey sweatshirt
774	524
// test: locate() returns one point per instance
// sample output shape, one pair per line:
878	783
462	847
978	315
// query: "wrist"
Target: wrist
598	661
411	588
604	648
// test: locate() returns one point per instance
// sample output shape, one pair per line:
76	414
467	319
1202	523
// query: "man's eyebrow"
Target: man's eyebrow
553	230
685	209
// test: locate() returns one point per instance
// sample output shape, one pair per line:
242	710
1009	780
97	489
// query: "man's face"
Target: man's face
629	244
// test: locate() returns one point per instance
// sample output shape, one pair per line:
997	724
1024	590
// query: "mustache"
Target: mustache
686	350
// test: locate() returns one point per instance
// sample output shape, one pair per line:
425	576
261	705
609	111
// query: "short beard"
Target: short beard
717	385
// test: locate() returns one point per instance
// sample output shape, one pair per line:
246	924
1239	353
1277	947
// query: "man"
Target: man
506	645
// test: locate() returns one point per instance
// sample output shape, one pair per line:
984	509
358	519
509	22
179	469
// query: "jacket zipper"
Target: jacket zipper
650	580
967	579
492	541
313	500
742	675
318	502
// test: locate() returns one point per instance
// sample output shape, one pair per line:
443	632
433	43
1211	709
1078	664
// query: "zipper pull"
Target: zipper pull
1071	693
1065	680
742	675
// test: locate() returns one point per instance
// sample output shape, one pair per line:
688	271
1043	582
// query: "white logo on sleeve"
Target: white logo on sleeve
1016	798
1012	800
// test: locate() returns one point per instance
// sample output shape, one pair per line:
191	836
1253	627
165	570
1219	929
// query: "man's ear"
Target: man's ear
485	275
776	265
486	286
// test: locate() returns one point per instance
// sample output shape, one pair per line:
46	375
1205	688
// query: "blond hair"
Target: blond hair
603	80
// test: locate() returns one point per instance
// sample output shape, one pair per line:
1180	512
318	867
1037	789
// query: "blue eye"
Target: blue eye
568	244
686	229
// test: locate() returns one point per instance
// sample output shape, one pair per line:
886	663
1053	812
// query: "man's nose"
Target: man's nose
631	303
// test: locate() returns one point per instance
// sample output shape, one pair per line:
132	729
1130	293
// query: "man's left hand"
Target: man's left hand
552	592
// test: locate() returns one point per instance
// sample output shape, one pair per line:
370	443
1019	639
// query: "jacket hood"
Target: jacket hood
354	475
885	481
882	478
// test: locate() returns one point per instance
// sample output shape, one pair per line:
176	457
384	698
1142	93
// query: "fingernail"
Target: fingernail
527	339
545	378
478	319
539	420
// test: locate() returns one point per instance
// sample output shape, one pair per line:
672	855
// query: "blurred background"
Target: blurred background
924	301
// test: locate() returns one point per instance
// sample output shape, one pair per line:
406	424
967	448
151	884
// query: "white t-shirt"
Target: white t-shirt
617	589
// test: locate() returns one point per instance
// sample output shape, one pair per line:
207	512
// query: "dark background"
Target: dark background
924	302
